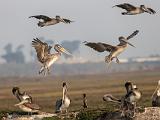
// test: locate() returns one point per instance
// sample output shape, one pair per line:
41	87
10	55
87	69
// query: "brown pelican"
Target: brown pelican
156	96
63	104
131	99
114	50
27	106
85	101
21	96
46	21
132	10
44	56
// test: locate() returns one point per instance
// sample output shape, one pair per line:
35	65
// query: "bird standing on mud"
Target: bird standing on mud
113	50
63	104
132	10
47	21
45	57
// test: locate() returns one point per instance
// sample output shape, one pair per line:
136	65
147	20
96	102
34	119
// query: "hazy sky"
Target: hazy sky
95	20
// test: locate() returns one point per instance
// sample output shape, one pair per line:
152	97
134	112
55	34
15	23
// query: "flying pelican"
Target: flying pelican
27	106
46	21
21	96
85	101
44	56
63	104
156	96
132	10
114	50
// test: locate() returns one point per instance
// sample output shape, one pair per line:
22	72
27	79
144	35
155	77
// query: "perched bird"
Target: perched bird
85	101
156	96
63	104
132	10
46	21
27	106
113	50
44	56
21	96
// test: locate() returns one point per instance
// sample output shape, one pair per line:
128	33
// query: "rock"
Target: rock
150	113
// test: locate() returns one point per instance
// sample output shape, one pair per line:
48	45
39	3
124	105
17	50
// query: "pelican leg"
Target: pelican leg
117	60
41	70
48	71
107	59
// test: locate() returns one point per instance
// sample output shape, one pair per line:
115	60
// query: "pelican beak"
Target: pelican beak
65	51
130	44
155	91
127	42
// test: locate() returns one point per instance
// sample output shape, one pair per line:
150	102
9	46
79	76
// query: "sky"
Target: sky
95	21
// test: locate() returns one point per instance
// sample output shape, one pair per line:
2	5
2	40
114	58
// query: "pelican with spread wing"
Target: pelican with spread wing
132	10
44	56
113	50
46	21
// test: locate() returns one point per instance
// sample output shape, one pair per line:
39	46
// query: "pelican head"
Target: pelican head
60	49
143	7
14	90
64	84
124	41
59	18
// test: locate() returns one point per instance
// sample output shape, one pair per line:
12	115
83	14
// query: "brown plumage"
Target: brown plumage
132	10
113	50
46	21
44	56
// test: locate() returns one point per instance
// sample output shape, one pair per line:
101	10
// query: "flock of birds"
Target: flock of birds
127	102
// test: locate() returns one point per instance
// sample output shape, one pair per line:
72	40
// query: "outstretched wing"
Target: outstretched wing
100	47
42	49
126	6
43	17
67	20
133	34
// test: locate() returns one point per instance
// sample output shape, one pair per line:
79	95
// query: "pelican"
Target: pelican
44	56
27	106
63	104
132	10
114	50
85	101
21	96
156	96
46	21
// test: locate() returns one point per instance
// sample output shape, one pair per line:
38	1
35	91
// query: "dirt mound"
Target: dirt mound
150	113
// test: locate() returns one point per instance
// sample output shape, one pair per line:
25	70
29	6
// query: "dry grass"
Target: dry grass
45	90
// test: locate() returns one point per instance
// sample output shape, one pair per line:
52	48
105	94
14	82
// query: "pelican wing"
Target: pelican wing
133	34
126	6
58	105
100	47
151	11
32	106
43	17
67	20
42	49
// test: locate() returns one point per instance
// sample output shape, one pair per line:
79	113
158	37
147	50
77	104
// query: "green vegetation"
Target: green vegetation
46	90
